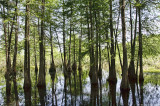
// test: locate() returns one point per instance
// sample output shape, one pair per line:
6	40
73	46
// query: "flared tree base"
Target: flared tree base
74	67
112	80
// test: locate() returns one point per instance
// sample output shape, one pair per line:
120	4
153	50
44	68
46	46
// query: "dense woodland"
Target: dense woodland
43	35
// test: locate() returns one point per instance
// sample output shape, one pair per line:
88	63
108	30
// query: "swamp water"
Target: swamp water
78	91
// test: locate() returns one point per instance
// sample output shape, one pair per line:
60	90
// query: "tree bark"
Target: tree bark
41	79
69	61
64	41
27	79
52	69
131	74
93	72
112	71
124	83
97	34
35	54
141	78
15	53
80	40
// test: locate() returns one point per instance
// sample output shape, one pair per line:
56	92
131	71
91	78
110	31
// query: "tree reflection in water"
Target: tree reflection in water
141	92
27	93
42	96
112	93
78	90
132	86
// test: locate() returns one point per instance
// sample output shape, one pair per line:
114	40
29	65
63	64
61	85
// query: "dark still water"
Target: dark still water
78	91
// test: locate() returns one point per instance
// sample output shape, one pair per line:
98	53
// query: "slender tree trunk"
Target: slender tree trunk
9	68
8	84
41	79
69	61
52	69
116	42
99	46
74	66
112	72
100	63
132	75
124	83
5	34
35	54
107	38
89	36
80	40
134	42
27	80
93	72
141	78
64	41
15	53
97	26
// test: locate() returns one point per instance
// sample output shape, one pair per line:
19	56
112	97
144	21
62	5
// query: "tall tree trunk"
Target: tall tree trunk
80	40
15	53
74	66
70	36
8	84
107	38
99	46
141	78
93	72
35	54
100	63
5	34
9	68
124	83
41	79
112	72
116	42
64	41
27	79
89	37
132	75
134	42
52	69
97	34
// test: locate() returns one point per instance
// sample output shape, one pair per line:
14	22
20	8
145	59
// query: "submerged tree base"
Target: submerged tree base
124	87
141	78
93	77
112	80
27	87
74	66
100	72
69	67
27	84
80	68
52	72
41	84
131	72
125	96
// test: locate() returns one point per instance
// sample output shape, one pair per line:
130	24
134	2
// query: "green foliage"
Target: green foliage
151	45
